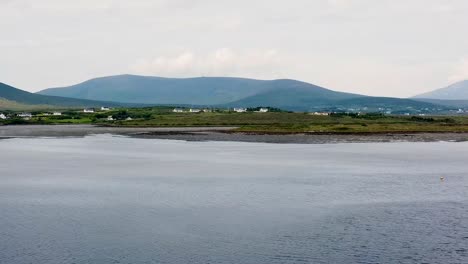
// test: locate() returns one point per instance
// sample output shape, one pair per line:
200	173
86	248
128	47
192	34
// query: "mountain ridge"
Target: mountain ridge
161	90
14	95
455	91
287	94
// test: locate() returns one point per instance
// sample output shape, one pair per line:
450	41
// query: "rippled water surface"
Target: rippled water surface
105	199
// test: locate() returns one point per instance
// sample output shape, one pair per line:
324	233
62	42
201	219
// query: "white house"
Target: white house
2	116
129	119
88	110
105	108
240	110
57	113
263	110
321	113
110	118
25	115
207	110
178	110
194	110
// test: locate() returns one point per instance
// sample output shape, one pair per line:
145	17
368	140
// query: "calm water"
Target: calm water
105	199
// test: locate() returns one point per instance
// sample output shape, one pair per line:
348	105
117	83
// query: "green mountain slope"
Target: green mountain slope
16	97
448	103
299	100
228	92
192	91
456	91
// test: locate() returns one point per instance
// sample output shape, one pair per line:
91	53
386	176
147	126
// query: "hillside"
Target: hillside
195	91
227	92
456	91
14	98
448	103
12	105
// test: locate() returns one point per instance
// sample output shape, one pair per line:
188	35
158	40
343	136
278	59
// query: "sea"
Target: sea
116	199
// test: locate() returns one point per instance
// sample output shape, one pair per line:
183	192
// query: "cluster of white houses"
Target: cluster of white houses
26	115
191	110
244	110
92	110
236	109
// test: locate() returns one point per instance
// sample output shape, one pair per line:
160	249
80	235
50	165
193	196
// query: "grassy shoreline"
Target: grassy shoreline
260	123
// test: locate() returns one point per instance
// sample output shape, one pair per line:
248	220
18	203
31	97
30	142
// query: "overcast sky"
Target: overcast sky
376	47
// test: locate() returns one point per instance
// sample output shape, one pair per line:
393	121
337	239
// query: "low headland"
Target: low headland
273	126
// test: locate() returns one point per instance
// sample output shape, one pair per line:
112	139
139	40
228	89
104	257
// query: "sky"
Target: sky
393	48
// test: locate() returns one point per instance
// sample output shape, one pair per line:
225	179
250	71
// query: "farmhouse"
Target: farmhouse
240	110
178	110
194	110
88	110
263	110
105	108
57	113
321	113
25	115
2	116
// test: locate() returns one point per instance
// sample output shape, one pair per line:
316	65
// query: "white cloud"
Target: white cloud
221	62
461	71
61	42
339	3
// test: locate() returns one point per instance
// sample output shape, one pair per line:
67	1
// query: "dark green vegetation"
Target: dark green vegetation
271	122
232	92
284	122
13	98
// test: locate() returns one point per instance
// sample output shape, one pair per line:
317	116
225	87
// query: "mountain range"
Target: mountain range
456	91
14	98
287	94
224	92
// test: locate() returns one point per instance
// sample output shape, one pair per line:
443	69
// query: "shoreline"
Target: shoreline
225	134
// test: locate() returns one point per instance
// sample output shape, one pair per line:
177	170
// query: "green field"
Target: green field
271	122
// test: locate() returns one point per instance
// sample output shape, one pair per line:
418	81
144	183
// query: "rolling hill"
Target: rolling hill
456	91
14	98
447	103
224	92
195	91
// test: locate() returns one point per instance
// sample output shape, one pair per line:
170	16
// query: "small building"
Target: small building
105	108
88	110
110	118
129	119
178	110
2	116
194	110
263	110
24	115
240	110
57	113
321	113
207	110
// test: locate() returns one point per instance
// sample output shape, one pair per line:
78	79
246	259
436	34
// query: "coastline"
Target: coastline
223	134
